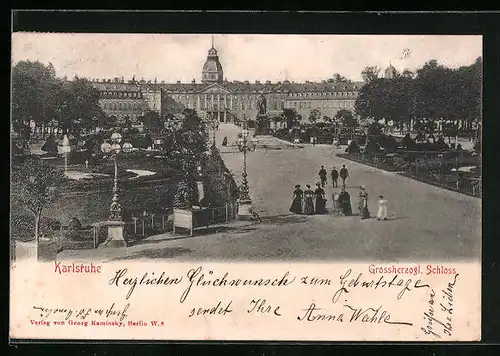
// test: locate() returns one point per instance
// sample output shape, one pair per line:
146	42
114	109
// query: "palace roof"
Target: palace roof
236	87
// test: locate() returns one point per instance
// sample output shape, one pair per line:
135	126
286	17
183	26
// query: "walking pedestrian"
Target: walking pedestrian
320	199
298	195
382	208
335	177
345	202
344	173
308	201
363	204
322	176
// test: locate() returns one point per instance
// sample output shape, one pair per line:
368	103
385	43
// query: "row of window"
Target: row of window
321	104
121	94
122	106
223	97
316	94
275	105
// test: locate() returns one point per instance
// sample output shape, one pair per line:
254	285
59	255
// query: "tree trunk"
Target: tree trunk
37	227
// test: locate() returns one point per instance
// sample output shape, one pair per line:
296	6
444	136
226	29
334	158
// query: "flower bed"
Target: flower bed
377	163
428	170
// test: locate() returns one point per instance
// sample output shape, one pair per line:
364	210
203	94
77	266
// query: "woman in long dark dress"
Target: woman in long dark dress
308	201
298	195
320	199
345	202
363	204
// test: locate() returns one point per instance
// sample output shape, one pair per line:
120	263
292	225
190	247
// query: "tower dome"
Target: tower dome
390	72
212	69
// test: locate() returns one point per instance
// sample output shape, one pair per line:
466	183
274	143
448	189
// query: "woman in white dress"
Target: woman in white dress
382	208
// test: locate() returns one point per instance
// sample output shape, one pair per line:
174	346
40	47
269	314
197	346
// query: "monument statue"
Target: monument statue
261	104
262	127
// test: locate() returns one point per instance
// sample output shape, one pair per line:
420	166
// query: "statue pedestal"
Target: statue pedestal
116	234
262	127
245	210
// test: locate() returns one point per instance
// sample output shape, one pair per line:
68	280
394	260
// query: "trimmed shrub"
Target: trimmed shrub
74	224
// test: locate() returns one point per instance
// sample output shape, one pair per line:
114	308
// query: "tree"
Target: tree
314	116
291	117
34	89
327	119
398	99
127	122
346	117
50	146
371	99
433	82
337	78
436	92
408	74
78	106
370	74
190	142
36	185
374	129
151	121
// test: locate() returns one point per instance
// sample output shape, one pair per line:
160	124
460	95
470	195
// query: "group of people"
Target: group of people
343	174
311	202
307	201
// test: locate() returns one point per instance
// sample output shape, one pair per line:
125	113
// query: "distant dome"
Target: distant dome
390	72
212	69
212	66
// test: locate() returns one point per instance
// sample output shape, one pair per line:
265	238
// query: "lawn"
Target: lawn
89	199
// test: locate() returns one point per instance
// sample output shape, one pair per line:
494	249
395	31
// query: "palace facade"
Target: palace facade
225	100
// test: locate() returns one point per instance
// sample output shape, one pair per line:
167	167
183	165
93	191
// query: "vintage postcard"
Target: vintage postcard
245	187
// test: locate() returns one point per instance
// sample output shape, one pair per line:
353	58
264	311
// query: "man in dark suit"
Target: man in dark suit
335	177
322	175
344	174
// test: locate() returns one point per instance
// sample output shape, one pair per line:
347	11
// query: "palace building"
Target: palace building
223	99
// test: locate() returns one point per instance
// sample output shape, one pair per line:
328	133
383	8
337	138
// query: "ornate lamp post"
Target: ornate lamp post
213	123
115	222
245	203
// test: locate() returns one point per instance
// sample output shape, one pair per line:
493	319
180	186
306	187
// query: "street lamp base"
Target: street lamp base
116	234
245	210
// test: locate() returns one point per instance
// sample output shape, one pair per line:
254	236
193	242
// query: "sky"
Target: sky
180	57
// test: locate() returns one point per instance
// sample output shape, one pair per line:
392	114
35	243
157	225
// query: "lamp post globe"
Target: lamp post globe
127	147
106	148
116	137
116	148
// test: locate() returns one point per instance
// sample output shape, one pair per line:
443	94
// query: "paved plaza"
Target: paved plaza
426	222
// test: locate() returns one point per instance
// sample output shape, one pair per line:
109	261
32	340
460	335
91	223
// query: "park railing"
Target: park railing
140	227
149	224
